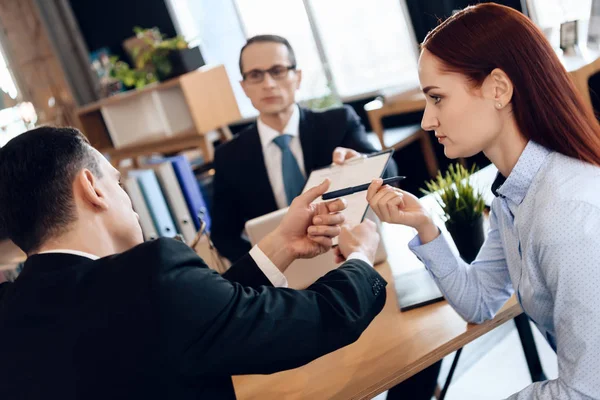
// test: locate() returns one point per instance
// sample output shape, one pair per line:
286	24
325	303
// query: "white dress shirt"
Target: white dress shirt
272	153
74	252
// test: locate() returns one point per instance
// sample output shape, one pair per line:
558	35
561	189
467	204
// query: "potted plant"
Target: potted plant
131	78
463	207
167	58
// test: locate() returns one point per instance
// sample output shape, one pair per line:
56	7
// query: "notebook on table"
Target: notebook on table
416	289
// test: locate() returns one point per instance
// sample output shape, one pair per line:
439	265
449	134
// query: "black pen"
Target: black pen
359	188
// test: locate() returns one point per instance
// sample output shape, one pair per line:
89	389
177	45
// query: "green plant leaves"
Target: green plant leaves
150	60
458	198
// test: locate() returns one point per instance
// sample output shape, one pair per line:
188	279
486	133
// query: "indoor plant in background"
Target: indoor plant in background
463	207
155	59
166	57
131	78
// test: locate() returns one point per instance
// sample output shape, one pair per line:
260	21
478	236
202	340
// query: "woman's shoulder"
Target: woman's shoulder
568	180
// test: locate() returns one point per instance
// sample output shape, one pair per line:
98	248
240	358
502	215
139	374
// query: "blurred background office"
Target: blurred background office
150	79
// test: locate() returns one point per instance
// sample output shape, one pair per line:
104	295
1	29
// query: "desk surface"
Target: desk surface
394	347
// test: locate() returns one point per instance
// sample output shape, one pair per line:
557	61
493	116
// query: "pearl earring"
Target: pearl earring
498	105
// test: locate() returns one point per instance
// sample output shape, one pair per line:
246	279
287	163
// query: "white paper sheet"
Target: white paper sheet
353	173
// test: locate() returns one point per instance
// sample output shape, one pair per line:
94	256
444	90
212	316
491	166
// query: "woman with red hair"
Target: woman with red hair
494	84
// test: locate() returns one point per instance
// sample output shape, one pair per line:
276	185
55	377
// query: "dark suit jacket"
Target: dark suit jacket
156	323
242	190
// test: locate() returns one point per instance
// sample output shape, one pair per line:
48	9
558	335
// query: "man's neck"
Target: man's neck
278	121
87	241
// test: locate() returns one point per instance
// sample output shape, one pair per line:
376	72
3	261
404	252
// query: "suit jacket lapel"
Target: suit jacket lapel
257	172
307	133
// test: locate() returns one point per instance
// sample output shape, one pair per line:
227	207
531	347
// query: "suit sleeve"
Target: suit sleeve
227	223
247	273
212	326
4	288
355	138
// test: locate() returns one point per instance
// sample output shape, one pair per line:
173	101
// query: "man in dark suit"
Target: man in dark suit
266	165
95	314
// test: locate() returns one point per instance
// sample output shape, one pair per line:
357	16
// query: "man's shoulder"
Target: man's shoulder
341	114
157	256
239	142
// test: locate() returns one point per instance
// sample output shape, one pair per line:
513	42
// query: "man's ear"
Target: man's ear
244	88
90	191
298	78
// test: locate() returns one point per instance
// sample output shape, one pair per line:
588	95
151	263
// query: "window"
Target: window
288	19
549	14
552	13
351	47
215	27
368	45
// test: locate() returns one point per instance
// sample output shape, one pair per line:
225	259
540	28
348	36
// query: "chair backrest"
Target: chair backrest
594	92
588	84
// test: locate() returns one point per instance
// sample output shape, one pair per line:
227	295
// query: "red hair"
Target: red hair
547	107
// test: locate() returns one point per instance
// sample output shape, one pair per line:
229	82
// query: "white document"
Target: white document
139	205
172	190
353	173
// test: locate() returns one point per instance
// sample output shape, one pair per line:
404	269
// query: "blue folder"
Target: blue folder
155	200
191	190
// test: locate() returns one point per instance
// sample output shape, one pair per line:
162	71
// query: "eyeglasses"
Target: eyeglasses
277	72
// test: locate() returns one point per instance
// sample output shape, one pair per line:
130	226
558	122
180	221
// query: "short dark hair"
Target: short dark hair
37	169
269	39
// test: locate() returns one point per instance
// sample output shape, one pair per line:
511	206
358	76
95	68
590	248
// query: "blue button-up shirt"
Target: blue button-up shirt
543	243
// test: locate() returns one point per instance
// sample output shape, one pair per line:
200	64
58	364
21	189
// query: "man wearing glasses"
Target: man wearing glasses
265	167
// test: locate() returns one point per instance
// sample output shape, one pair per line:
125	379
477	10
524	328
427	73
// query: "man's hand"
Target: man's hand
362	238
307	229
342	154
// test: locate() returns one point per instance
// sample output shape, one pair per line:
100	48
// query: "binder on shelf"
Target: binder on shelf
139	205
179	209
155	200
191	190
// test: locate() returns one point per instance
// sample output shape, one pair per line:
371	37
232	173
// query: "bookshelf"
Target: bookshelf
189	111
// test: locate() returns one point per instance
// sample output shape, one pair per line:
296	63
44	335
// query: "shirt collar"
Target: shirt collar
74	252
516	185
267	134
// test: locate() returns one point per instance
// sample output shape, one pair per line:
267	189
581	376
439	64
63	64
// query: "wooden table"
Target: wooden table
394	347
